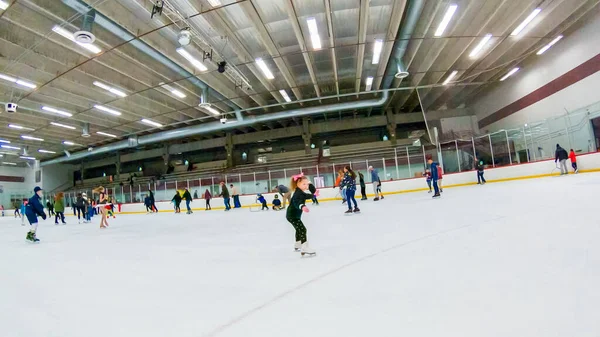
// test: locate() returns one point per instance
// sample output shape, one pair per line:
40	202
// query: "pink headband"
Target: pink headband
298	176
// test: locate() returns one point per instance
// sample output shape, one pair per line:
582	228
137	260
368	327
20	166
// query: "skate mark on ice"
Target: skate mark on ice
275	299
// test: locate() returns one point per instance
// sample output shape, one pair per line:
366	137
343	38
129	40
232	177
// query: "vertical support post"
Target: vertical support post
188	184
212	179
269	182
131	193
175	185
410	175
491	150
457	155
229	149
396	160
384	169
424	156
317	170
508	147
333	165
526	147
225	180
122	194
240	183
285	174
200	184
254	174
474	151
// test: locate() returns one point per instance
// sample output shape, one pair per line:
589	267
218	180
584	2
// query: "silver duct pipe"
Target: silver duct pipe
217	126
120	32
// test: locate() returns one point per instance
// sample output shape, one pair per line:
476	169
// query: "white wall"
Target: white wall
573	50
21	189
55	176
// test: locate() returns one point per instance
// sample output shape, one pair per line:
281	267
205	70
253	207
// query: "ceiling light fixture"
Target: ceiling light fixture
212	110
18	81
153	123
446	20
263	67
314	33
450	77
377	48
109	88
56	111
25	157
63	125
106	134
3	5
480	46
66	142
67	34
4	141
19	127
526	22
214	3
32	138
109	110
173	90
46	151
9	163
369	83
10	147
546	47
510	73
191	59
285	95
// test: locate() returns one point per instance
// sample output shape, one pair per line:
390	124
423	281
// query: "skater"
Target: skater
315	194
376	183
59	208
23	210
285	194
89	205
349	185
439	171
261	199
50	208
427	175
195	194
188	198
277	203
152	202
148	205
17	210
363	187
573	158
299	184
236	196
207	197
102	203
561	156
80	207
338	183
177	202
433	167
225	195
33	210
480	178
2	210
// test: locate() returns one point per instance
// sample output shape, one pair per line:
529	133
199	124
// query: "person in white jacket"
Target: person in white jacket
235	194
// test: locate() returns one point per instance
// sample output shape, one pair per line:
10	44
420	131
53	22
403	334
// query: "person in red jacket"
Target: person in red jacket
573	161
439	169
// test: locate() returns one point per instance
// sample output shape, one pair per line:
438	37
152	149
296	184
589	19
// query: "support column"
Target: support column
306	135
391	126
229	149
118	166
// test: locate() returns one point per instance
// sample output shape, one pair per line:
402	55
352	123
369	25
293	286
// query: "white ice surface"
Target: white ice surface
513	259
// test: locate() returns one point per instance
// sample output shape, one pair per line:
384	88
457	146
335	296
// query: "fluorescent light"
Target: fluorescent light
106	134
369	83
212	110
109	88
4	5
26	84
109	110
45	151
447	17
4	141
66	142
196	63
56	111
63	125
173	90
32	138
10	147
285	95
450	77
546	47
526	22
214	3
314	33
15	126
263	67
377	47
25	157
9	163
67	34
149	122
8	78
510	73
480	46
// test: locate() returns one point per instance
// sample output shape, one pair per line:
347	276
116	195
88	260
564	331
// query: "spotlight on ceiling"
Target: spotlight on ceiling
185	37
221	66
157	8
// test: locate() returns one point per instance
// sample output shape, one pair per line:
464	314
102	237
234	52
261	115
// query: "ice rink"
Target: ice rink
519	258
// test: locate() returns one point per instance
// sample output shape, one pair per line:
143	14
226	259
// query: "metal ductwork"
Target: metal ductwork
395	67
217	126
85	35
123	34
204	103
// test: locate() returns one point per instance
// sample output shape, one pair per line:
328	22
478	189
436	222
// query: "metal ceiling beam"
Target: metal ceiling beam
392	32
332	45
362	39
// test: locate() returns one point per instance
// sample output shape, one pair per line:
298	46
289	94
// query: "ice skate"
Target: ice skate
437	195
376	199
297	246
306	250
430	191
382	197
356	210
348	211
31	237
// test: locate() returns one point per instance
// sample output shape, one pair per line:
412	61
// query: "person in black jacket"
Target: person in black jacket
479	168
225	195
177	201
50	208
188	198
363	187
80	207
300	185
562	156
32	211
152	202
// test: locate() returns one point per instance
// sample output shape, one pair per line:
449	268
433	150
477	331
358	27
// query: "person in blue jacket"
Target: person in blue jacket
434	175
263	201
33	210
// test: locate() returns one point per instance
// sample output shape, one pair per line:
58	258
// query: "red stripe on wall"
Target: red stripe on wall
573	76
12	179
